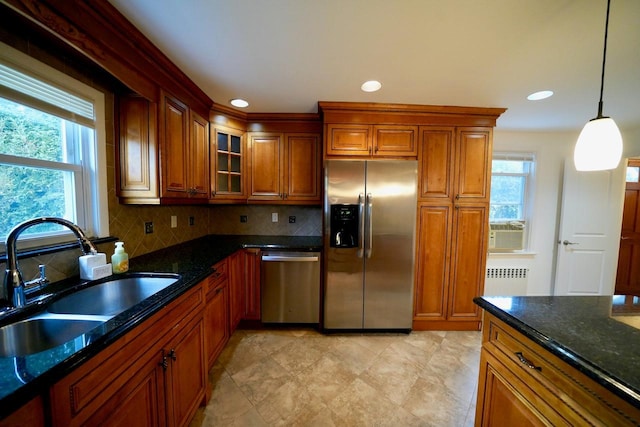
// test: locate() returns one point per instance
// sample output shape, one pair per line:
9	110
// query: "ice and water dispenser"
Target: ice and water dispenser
344	226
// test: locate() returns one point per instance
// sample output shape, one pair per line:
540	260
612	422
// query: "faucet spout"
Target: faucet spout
13	284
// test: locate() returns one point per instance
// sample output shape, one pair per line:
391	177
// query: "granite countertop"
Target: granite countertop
22	378
581	331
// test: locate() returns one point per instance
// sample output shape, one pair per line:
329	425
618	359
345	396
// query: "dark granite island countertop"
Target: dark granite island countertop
23	378
581	331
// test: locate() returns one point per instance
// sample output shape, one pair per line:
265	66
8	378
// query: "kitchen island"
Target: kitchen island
559	360
23	378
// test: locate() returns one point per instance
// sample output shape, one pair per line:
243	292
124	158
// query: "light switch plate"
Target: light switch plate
174	221
274	217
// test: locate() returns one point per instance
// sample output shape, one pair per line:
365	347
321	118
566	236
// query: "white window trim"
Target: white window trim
528	197
96	212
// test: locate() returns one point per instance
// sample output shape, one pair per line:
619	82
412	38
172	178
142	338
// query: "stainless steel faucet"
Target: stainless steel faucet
14	286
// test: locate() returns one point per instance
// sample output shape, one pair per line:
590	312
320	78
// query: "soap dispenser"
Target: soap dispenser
120	259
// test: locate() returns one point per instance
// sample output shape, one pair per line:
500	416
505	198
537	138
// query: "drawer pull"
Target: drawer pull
526	362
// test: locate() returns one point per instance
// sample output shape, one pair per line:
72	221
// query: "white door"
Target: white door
589	236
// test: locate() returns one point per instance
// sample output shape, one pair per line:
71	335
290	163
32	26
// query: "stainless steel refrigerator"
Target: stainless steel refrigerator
369	243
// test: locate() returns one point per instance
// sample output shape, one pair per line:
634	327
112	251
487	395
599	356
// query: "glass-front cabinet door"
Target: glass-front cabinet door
228	175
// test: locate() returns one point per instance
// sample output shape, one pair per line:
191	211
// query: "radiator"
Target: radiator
506	281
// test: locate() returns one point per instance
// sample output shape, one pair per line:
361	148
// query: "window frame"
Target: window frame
92	214
527	196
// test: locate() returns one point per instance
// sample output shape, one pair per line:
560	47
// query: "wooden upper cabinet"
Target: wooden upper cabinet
137	154
266	167
199	153
395	141
302	162
348	140
356	140
174	143
285	167
228	165
473	165
436	162
184	151
455	163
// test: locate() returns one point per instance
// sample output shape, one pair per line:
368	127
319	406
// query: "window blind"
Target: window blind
23	88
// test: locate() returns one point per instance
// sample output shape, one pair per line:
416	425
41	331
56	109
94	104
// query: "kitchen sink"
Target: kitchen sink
41	333
113	296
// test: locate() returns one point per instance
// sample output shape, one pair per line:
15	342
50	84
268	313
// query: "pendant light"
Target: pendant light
599	145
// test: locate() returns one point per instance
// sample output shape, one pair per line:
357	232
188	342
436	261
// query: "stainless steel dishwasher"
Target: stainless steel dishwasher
290	287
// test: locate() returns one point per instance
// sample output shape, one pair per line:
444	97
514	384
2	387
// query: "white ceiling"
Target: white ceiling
286	55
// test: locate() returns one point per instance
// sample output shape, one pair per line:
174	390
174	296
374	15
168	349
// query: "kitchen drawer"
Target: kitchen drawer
219	275
578	398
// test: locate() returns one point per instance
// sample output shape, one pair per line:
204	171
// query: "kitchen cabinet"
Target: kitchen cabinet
252	263
216	313
455	163
523	384
163	152
137	154
473	164
356	140
454	171
228	166
236	289
285	168
153	375
184	151
30	414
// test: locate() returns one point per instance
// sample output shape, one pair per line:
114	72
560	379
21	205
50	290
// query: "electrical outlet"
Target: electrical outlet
192	220
292	220
174	221
274	217
243	218
148	227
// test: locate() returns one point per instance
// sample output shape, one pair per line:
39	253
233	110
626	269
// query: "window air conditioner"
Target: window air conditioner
506	236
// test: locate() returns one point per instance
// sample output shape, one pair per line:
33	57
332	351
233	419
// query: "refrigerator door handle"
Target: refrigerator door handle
370	220
361	218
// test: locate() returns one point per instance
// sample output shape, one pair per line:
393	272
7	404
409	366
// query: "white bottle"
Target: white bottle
120	259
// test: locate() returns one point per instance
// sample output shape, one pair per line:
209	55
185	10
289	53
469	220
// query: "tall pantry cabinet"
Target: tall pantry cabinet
455	174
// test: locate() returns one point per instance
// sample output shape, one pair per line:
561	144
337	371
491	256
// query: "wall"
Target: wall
551	150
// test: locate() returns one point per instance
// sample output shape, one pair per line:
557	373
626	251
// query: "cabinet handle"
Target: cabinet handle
165	362
457	197
218	291
213	194
526	363
172	354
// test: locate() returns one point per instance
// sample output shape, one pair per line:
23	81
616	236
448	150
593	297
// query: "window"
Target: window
510	188
52	150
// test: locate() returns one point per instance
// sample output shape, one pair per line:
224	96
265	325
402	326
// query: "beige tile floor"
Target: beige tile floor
304	378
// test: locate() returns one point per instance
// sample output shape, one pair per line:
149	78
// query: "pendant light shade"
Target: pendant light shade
599	145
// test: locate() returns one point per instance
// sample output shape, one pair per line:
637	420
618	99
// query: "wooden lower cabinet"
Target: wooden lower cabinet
154	375
216	312
30	414
252	260
450	264
522	384
236	289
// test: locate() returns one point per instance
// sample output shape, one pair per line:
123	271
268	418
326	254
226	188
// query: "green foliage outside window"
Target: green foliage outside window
29	192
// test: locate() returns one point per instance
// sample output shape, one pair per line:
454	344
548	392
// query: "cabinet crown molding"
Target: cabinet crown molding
381	113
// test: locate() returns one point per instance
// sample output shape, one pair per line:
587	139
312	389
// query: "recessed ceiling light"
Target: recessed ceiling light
537	96
371	86
240	103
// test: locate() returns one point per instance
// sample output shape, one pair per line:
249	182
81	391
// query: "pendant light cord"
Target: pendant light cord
604	60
